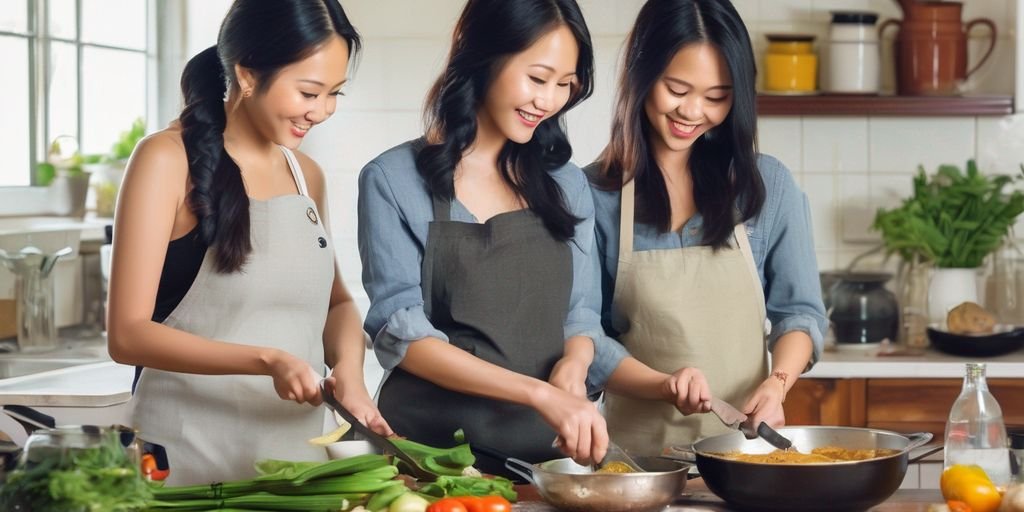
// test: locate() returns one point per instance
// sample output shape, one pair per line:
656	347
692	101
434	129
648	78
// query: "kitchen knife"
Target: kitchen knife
376	439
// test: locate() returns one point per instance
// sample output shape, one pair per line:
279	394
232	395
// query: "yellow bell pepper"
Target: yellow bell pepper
970	485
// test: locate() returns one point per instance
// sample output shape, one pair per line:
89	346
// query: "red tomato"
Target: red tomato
485	503
447	505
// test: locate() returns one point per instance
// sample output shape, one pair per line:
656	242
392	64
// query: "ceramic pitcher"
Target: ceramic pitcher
931	47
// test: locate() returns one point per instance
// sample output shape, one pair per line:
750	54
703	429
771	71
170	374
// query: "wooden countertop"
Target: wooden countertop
698	498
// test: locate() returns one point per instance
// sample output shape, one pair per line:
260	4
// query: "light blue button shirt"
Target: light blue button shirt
780	239
395	211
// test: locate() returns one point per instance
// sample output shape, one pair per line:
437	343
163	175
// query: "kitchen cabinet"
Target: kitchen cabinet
899	404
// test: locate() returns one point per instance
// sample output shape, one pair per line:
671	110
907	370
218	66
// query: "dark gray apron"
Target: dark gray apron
500	291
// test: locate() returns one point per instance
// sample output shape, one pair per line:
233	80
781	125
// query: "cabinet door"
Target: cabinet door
826	402
911	405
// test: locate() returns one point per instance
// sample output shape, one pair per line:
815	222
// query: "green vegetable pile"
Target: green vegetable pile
470	486
307	486
95	479
954	219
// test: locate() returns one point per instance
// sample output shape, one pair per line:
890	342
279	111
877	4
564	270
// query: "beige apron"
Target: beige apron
214	427
688	307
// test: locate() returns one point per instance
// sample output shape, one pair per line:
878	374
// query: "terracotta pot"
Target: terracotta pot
931	48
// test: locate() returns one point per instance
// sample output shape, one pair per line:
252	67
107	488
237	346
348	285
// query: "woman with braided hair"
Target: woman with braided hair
224	289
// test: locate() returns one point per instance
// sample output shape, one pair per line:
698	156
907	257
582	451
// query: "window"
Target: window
77	67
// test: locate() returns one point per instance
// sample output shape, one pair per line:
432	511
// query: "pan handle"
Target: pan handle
918	439
683	453
521	468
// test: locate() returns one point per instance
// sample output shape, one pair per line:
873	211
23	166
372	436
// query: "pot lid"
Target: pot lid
854	17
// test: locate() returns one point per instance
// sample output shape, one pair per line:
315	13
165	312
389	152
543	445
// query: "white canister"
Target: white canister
853	55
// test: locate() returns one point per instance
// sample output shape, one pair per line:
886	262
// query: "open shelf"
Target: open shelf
883	105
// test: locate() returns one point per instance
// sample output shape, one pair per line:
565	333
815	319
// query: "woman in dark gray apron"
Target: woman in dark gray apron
223	274
475	240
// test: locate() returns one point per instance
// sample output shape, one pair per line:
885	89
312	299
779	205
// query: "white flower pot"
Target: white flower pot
949	288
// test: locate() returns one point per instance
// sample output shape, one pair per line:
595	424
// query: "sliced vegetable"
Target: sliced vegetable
331	437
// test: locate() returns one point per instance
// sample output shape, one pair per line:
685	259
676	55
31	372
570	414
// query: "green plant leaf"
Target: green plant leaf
953	218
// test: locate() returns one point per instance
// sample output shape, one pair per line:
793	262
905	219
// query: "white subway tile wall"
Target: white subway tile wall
849	166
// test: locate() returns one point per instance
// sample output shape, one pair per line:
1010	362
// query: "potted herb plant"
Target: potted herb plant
111	170
953	220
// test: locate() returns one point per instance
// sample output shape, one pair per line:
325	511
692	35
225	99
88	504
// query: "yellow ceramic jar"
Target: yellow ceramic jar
790	65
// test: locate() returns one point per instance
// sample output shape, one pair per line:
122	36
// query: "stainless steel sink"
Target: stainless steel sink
69	353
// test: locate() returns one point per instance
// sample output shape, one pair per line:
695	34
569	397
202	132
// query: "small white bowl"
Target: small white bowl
346	449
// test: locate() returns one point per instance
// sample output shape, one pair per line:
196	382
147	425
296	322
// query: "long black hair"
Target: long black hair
723	162
488	33
263	36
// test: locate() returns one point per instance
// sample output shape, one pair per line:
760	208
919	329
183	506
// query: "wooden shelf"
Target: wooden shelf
882	105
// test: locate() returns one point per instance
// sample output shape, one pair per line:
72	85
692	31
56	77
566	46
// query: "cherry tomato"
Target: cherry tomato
447	505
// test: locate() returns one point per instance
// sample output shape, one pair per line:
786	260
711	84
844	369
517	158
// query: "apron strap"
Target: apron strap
293	164
740	231
626	209
442	209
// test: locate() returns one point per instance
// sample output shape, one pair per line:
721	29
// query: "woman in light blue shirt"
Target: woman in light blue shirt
704	248
475	242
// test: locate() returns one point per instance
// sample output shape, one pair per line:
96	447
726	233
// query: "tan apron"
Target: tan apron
214	427
688	307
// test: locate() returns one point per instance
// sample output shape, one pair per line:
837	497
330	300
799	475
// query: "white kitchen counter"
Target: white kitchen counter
864	364
89	385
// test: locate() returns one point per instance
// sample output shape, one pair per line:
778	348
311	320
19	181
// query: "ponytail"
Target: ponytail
218	197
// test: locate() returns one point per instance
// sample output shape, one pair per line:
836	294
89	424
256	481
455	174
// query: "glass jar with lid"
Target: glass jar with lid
790	64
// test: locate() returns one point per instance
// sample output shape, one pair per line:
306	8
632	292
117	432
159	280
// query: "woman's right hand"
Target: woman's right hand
293	378
582	432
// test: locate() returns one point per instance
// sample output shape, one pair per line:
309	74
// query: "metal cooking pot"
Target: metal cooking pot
574	488
836	486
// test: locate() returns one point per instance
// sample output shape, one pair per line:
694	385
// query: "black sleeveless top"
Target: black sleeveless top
181	266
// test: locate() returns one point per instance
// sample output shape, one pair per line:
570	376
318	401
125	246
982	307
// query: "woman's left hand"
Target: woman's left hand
352	395
570	375
765	404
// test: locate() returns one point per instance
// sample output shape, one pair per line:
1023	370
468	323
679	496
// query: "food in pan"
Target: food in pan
824	454
616	467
